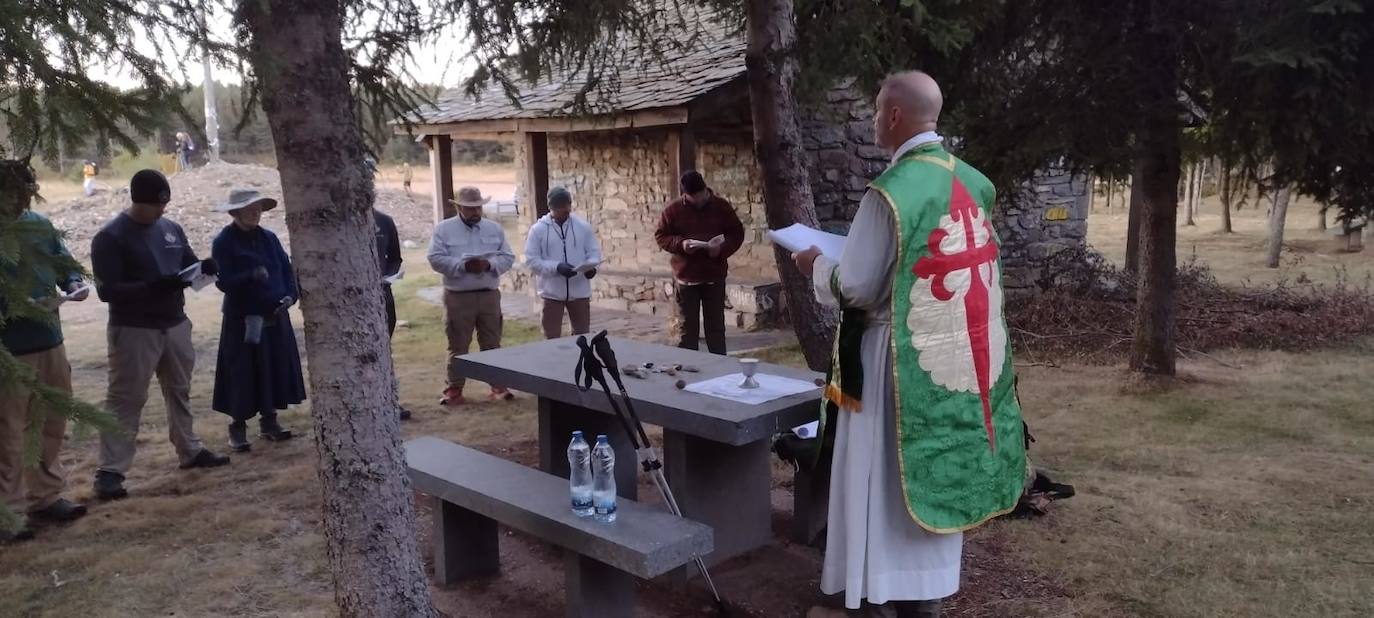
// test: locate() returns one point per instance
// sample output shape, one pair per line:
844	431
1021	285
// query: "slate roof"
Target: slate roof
714	56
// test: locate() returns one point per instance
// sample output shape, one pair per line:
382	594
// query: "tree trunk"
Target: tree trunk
369	515
1321	218
1278	215
1133	223
1155	180
1227	188
1109	194
772	73
1189	194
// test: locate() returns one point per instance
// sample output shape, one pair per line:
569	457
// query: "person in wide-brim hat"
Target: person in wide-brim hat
243	198
255	375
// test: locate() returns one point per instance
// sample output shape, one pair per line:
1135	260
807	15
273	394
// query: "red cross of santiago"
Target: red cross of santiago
977	308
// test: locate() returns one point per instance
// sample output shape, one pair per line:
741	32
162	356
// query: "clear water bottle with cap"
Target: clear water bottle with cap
580	475
603	480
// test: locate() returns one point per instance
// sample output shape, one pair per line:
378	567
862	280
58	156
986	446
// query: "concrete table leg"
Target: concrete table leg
557	421
466	544
597	590
810	504
725	487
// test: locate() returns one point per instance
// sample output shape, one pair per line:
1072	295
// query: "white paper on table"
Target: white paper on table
770	387
198	280
798	237
588	265
392	279
807	431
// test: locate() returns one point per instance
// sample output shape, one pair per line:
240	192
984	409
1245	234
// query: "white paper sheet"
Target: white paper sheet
798	237
198	280
588	265
392	279
807	431
770	387
480	256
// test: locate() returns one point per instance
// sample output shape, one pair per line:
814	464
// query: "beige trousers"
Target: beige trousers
579	313
33	487
135	356
465	312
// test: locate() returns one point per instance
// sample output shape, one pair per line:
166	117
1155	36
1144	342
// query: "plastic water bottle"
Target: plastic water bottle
603	480
580	475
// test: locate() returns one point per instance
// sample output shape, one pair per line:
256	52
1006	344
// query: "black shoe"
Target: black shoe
18	536
109	485
238	437
206	459
61	511
405	414
272	430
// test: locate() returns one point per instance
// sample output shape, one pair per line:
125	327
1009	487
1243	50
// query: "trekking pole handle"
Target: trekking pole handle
603	349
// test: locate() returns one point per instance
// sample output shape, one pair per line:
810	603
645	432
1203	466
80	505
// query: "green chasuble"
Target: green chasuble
959	430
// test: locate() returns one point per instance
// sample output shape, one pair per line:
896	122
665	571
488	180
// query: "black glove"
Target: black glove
169	283
566	269
591	273
209	267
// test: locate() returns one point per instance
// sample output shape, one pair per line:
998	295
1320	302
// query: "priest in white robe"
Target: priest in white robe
876	550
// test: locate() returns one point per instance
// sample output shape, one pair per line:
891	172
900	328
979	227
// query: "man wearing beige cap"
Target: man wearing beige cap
471	253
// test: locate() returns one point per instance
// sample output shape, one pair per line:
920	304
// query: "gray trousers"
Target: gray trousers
135	356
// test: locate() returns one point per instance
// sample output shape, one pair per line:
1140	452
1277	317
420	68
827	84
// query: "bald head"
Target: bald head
908	104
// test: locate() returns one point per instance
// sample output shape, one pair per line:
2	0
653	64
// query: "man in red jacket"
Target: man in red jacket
701	231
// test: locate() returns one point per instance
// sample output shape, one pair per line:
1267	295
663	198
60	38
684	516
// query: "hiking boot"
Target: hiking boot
109	485
501	394
452	398
60	511
918	609
238	437
16	536
405	414
206	459
272	430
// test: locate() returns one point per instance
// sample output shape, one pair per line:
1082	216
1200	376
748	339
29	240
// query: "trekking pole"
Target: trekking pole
648	456
639	439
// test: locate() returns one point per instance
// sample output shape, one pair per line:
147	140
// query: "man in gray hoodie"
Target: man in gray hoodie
563	253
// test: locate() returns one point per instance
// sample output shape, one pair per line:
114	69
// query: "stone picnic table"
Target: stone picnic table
715	452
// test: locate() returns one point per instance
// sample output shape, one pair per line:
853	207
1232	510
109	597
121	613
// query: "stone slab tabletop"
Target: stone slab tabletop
545	368
643	541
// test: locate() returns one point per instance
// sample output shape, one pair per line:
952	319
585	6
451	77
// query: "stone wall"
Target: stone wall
621	181
841	155
1048	214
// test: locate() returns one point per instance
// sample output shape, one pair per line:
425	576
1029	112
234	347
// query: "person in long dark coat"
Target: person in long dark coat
255	378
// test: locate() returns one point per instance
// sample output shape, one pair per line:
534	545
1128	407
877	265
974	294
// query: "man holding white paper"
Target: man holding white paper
928	434
35	490
471	253
138	259
563	253
701	231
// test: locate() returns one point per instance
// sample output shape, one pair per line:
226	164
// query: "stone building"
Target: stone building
622	158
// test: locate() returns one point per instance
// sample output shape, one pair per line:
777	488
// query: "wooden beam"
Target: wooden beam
682	156
537	172
441	171
570	124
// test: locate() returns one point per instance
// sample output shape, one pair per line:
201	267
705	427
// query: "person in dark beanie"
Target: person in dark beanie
701	231
138	258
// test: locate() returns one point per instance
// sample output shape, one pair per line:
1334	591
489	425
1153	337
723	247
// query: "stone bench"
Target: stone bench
473	491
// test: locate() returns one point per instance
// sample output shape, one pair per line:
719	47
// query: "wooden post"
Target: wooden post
537	171
682	156
441	170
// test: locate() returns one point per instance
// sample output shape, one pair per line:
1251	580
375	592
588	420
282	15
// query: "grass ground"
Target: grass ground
1242	490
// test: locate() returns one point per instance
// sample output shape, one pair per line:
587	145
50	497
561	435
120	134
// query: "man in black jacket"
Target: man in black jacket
138	258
